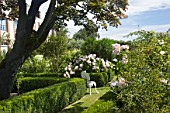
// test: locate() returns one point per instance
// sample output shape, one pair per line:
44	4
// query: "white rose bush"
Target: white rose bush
89	63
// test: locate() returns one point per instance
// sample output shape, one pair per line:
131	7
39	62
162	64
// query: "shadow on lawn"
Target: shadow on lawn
76	108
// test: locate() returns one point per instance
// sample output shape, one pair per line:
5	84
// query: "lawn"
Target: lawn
86	101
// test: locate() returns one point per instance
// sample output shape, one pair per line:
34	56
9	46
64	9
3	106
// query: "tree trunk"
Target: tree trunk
8	69
27	40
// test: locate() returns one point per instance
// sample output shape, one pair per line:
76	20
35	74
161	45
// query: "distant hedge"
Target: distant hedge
46	100
101	79
38	74
27	84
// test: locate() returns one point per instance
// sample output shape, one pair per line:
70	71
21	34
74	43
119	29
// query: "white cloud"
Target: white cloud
119	34
139	6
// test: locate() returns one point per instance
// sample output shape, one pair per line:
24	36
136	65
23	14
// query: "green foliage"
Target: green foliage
75	44
27	84
36	64
102	48
37	75
82	34
46	100
111	75
147	73
89	46
54	48
104	105
101	79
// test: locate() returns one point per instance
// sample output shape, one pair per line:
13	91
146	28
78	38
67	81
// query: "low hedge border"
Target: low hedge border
46	100
37	75
27	84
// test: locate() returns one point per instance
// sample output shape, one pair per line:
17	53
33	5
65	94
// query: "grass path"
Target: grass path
86	101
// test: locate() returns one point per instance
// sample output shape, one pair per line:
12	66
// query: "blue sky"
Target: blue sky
142	14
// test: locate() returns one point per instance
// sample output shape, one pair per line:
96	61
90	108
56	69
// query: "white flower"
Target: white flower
115	60
164	81
81	65
76	67
107	63
93	63
161	42
72	72
88	61
39	57
162	52
65	68
67	75
123	47
70	63
97	58
69	68
80	69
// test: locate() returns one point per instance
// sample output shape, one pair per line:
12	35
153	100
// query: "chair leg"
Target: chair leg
96	90
90	90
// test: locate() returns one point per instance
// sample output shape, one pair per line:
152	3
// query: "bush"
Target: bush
101	79
111	75
27	84
46	100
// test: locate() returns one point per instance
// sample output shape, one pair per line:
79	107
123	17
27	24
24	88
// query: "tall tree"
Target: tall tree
27	39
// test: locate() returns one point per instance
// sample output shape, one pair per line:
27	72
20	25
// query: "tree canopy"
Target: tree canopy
105	12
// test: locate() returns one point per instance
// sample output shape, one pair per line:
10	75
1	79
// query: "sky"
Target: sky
142	14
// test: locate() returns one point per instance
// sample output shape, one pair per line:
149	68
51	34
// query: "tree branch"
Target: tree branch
47	23
22	15
35	4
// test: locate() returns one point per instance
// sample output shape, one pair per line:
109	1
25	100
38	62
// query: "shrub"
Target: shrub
90	63
46	100
111	75
27	84
101	79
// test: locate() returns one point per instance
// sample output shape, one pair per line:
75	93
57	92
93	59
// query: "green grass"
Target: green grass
86	101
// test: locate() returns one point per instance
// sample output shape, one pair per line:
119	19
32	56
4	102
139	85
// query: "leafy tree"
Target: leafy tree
54	48
89	30
28	40
83	34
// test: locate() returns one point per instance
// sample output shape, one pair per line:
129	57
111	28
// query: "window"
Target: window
2	24
15	25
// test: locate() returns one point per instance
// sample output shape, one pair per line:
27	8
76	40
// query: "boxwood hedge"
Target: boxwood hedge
46	100
27	84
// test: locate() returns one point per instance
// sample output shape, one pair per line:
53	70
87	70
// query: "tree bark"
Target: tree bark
27	40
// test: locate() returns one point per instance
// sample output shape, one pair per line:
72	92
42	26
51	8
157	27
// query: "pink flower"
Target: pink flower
116	48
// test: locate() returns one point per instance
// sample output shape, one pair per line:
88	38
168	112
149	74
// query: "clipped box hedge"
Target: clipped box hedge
37	75
101	79
27	84
46	100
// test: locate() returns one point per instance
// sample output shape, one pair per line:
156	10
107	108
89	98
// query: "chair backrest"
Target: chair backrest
85	75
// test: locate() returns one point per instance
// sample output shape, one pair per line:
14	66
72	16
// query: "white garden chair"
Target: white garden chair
90	84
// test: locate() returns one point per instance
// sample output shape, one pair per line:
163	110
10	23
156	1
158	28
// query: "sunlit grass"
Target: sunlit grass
86	101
